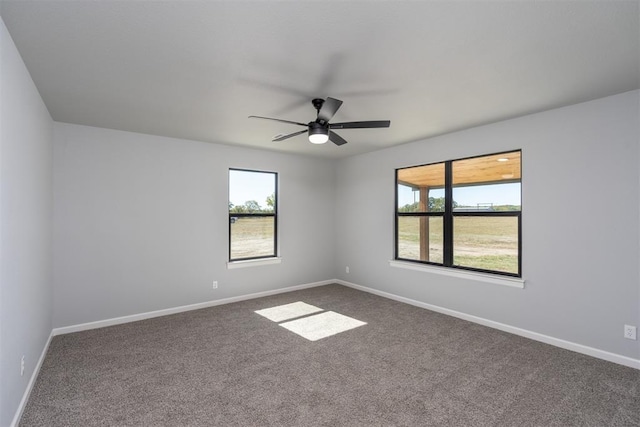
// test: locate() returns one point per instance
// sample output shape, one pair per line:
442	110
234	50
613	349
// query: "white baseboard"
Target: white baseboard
32	381
180	309
567	345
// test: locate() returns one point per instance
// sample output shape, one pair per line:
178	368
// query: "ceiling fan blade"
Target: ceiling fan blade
291	135
279	120
336	139
361	125
329	109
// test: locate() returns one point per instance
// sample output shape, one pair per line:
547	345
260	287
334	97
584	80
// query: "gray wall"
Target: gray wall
580	191
25	226
140	223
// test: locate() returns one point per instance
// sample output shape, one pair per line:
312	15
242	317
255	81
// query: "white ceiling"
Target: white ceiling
197	69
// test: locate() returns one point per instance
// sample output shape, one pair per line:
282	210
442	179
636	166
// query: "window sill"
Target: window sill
253	262
513	282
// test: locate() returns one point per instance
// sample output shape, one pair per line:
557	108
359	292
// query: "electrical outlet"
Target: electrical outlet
630	332
215	284
22	366
347	269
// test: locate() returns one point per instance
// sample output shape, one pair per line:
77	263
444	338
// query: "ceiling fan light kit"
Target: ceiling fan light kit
320	129
318	134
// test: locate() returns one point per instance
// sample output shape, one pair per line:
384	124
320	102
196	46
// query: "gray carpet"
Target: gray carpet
227	366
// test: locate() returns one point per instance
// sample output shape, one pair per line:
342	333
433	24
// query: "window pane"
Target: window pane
488	243
252	237
488	183
251	192
414	230
421	188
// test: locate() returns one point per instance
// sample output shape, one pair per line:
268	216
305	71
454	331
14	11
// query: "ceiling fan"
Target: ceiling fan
320	130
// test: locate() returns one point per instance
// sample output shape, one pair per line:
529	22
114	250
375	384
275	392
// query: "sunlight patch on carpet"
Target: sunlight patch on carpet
322	325
288	311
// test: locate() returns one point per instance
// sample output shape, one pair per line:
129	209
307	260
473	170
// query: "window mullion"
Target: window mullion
448	215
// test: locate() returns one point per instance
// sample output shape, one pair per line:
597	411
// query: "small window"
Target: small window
253	219
462	213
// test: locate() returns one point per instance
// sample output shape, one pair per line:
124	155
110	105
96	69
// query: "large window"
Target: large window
253	219
463	213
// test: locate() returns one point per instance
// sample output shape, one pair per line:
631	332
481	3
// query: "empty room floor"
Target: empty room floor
324	356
